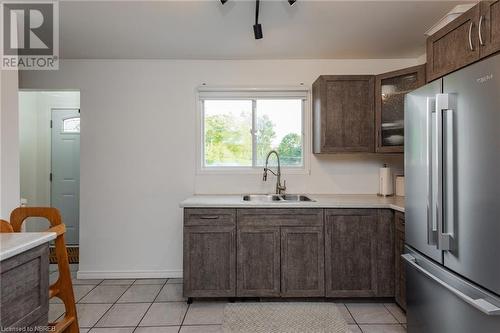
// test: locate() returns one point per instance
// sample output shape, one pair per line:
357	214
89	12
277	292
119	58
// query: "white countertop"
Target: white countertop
14	243
320	201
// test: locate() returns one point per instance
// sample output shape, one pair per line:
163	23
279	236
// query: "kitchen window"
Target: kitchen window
239	128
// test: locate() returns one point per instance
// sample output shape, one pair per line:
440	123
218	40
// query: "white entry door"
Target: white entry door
65	176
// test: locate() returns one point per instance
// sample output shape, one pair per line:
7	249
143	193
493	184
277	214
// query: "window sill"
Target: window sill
251	171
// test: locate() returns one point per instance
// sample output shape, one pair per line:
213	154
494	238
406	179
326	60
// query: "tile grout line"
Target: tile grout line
72	287
150	305
355	321
398	323
184	318
76	302
397	320
359	327
108	303
144	285
142	317
156	297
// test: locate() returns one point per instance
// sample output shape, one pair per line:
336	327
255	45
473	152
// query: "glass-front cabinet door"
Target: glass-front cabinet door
390	90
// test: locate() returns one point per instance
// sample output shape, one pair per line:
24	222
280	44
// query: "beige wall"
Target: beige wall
138	157
9	143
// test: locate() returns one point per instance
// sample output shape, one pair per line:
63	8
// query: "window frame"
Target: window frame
205	93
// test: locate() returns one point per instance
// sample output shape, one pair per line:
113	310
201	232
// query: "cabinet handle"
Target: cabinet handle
471	46
480	31
211	217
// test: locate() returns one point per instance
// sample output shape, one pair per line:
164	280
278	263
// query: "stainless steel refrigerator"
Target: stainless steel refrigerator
452	172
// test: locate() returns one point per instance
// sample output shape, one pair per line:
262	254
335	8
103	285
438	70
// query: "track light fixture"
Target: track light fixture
257	27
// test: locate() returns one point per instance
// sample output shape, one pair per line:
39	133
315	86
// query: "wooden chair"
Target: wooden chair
63	287
5	226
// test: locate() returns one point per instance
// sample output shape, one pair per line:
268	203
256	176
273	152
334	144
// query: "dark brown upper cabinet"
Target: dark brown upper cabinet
469	38
489	28
390	89
454	46
343	114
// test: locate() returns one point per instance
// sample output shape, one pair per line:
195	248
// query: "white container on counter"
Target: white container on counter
400	186
385	182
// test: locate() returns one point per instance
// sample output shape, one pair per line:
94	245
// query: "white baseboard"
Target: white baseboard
129	274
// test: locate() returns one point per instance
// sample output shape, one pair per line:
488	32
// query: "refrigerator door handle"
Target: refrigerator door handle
443	102
479	303
448	182
431	220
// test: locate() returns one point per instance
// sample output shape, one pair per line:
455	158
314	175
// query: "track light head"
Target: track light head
257	27
257	31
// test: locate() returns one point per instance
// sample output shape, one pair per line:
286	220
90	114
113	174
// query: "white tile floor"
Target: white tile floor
157	306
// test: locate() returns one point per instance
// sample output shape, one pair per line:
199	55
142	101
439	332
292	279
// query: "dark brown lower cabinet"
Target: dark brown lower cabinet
258	273
290	253
400	270
302	262
385	253
280	252
358	261
351	253
209	253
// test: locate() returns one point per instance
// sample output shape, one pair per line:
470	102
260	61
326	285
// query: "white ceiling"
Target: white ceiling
208	30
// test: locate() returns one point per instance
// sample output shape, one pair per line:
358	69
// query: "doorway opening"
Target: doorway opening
49	130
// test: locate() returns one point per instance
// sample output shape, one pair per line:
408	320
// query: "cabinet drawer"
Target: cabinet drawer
209	216
280	217
351	212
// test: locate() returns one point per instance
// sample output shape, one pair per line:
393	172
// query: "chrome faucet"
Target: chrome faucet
280	189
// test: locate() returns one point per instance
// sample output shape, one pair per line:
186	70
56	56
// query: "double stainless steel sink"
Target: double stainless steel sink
276	198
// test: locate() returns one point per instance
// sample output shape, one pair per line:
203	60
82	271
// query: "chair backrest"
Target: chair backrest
63	287
19	215
5	226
